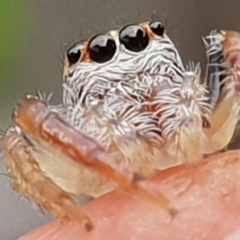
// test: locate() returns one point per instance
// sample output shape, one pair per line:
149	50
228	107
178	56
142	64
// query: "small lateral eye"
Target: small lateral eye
101	48
157	28
134	38
73	55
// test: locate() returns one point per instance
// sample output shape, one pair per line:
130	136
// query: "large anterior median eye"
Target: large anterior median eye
101	48
157	28
73	55
134	38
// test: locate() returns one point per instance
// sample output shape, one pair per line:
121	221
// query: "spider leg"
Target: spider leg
29	180
34	118
223	55
231	51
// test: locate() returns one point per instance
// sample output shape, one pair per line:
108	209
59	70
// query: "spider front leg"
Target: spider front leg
223	78
40	132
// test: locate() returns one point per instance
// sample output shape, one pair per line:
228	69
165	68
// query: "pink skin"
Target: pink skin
207	197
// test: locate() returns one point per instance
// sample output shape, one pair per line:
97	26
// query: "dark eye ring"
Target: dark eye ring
73	55
101	48
157	28
134	38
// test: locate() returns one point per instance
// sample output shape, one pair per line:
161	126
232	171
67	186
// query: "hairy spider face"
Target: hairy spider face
129	109
128	89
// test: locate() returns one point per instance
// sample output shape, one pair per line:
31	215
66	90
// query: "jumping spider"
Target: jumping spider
130	109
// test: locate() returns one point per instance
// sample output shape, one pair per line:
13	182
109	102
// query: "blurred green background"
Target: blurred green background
13	38
32	38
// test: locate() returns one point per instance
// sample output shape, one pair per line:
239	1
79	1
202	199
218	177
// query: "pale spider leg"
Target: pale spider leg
29	180
231	51
223	82
35	119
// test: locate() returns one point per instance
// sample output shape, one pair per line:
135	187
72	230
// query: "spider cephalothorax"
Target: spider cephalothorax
129	109
129	90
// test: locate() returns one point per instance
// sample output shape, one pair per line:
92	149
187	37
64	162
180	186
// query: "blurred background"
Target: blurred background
33	35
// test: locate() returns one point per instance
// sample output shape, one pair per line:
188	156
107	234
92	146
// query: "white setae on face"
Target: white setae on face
130	109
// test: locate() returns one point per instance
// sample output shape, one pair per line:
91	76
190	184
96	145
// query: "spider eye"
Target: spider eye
134	38
157	28
73	55
101	48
